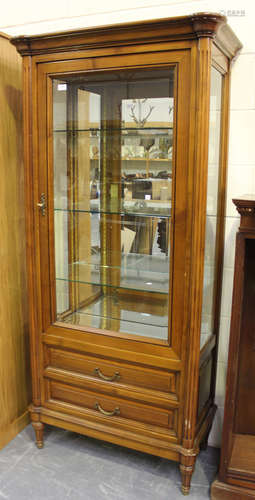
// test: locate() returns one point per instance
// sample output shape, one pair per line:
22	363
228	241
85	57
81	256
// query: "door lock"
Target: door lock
42	204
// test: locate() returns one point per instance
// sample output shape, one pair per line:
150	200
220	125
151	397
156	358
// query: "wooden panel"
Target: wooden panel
112	347
14	378
223	491
160	445
237	469
242	459
126	409
232	375
245	407
127	374
199	179
13	428
134	393
204	384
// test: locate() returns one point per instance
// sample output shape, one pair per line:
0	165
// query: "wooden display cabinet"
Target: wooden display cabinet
237	469
125	241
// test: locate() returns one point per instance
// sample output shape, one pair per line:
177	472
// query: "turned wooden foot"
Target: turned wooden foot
37	425
187	467
38	428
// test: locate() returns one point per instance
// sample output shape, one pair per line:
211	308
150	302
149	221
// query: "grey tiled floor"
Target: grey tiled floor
75	467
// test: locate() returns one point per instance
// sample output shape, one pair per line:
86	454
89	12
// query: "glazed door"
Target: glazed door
112	184
112	157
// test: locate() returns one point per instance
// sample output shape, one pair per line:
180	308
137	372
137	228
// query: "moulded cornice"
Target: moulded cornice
178	28
4	35
245	205
246	208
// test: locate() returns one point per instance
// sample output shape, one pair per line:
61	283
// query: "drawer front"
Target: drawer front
112	371
110	407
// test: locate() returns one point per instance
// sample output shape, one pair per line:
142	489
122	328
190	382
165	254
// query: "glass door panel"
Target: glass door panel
207	327
113	141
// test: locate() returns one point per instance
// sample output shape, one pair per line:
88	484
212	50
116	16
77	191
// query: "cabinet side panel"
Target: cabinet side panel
245	409
204	384
199	126
14	378
233	357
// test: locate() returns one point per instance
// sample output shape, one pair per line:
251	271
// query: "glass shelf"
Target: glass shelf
152	265
119	317
138	272
154	143
130	327
121	214
133	158
144	287
109	129
148	319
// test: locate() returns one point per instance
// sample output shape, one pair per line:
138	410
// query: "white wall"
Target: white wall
29	17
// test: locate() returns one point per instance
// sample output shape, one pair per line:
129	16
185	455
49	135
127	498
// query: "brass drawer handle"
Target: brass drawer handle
116	375
116	410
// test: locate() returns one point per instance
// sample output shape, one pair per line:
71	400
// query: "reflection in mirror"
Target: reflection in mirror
113	141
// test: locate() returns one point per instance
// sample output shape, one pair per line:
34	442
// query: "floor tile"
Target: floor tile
75	467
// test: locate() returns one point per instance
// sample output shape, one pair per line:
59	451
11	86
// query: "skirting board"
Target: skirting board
10	431
224	491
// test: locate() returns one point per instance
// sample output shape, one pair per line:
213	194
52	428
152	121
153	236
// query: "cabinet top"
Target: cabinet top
195	26
4	35
246	208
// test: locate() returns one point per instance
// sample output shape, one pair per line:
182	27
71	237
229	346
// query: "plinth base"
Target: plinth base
224	491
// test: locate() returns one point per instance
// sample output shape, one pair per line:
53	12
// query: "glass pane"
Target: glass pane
113	139
212	206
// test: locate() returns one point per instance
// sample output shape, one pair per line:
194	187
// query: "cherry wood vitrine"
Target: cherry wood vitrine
236	479
125	151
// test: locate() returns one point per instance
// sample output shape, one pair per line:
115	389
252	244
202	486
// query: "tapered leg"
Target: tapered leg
187	467
38	428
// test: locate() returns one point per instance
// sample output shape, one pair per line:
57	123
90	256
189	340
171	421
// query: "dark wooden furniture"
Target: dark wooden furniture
125	278
237	469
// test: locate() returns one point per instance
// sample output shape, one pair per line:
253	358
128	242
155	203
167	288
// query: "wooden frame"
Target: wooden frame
61	395
237	468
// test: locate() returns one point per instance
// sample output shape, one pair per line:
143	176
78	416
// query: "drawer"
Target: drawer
109	407
112	371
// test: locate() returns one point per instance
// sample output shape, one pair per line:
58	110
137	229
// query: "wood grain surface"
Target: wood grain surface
237	469
14	370
134	410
